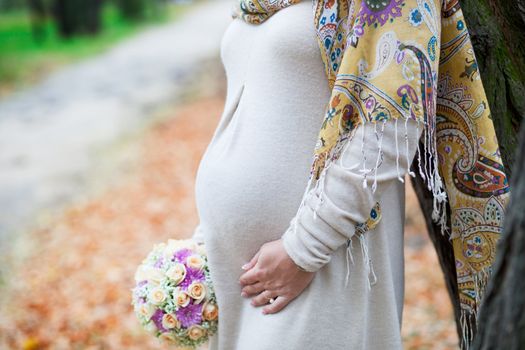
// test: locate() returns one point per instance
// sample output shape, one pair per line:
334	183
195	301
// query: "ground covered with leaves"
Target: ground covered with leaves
72	288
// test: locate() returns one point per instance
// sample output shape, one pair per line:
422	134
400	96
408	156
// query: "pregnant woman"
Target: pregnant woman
301	262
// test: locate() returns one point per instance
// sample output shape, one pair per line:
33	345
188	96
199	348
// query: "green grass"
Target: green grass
24	61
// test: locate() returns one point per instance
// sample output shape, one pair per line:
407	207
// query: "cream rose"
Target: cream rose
183	299
210	311
196	332
156	296
172	246
153	275
170	321
177	272
146	310
197	291
167	337
175	245
195	261
147	273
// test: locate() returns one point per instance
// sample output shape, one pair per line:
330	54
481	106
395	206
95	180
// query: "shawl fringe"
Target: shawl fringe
428	170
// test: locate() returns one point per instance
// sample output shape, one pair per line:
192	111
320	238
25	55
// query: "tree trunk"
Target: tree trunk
501	316
497	29
37	13
77	16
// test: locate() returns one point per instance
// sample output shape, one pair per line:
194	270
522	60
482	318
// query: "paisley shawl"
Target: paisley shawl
413	59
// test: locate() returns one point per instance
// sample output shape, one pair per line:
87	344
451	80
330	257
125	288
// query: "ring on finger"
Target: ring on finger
271	299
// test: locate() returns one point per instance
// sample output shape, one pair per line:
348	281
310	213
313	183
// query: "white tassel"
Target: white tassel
345	148
319	187
379	159
410	172
425	156
367	261
397	153
349	258
364	170
421	172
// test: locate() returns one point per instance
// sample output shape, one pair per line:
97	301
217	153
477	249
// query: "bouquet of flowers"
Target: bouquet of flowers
173	297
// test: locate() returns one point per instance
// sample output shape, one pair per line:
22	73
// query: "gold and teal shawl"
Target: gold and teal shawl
413	59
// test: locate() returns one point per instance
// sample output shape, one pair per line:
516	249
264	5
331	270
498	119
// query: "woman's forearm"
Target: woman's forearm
344	202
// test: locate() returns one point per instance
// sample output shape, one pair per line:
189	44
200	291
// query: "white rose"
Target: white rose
171	248
195	262
177	272
153	275
156	296
140	274
175	245
146	310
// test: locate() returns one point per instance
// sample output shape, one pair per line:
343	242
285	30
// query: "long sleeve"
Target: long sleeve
344	202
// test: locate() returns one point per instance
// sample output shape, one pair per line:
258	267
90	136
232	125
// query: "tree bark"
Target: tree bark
502	316
441	243
77	17
497	29
37	13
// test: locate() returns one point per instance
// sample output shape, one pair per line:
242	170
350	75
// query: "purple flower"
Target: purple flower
191	275
157	319
190	315
181	255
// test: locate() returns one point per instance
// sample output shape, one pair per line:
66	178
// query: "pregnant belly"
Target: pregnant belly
250	198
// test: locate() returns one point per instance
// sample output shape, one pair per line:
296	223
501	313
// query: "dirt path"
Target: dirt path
52	134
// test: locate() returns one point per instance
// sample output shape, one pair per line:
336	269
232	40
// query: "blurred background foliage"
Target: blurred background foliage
37	36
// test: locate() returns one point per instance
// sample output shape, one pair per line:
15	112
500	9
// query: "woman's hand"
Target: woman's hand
271	273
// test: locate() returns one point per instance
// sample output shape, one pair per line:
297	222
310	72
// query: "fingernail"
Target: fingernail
245	266
243	294
264	312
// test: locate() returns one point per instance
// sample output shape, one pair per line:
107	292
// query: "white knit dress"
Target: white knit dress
250	183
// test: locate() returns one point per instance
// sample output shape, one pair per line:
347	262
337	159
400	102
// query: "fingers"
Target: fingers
251	276
263	298
252	289
277	305
252	262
